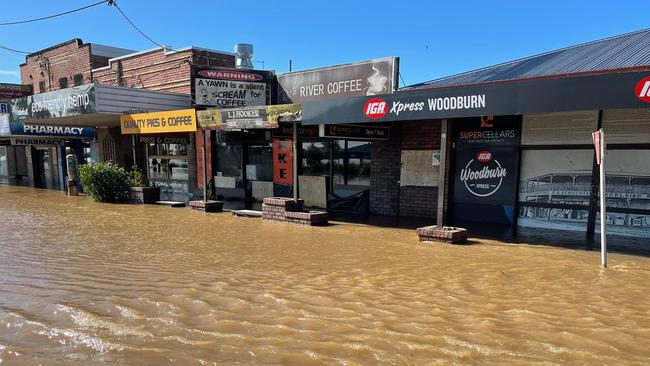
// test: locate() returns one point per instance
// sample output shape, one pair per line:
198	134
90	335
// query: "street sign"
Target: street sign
599	144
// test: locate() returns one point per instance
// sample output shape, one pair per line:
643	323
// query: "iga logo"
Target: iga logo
375	108
483	175
484	156
642	89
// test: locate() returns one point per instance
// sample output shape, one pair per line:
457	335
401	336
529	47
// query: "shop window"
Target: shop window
260	163
554	186
349	162
229	160
167	161
63	83
41	87
78	79
315	158
108	148
3	161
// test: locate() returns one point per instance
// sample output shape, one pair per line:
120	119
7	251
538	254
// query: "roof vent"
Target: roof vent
243	56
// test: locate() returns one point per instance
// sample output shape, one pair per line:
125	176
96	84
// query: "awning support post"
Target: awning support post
205	167
441	174
295	162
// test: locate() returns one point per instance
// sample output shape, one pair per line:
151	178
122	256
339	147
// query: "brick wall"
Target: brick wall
384	175
419	201
64	60
415	201
159	70
420	135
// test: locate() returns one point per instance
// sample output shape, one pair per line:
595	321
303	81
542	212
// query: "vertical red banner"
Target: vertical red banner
199	156
282	161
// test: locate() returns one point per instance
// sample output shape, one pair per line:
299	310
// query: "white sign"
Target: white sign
229	93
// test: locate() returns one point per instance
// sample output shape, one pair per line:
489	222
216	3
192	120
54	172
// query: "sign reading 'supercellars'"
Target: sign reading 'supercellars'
486	164
372	77
230	88
183	120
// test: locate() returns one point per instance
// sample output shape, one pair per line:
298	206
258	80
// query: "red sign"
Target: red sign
375	108
282	161
230	75
596	137
642	90
484	156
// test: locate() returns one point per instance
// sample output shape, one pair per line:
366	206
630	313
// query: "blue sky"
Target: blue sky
432	38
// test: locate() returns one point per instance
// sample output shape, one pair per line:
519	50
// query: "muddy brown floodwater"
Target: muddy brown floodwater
83	283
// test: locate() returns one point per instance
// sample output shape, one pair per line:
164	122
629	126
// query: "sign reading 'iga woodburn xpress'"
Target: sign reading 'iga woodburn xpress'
183	120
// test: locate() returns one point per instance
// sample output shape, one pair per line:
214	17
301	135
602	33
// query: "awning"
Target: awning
92	105
577	93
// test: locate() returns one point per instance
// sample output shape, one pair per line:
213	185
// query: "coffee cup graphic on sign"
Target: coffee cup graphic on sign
376	82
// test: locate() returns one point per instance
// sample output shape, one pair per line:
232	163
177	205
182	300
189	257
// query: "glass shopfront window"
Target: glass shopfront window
260	163
4	166
346	162
167	167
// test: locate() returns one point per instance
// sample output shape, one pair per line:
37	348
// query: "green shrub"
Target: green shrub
105	181
136	178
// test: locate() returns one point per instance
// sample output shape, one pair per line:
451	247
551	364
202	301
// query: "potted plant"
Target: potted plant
139	191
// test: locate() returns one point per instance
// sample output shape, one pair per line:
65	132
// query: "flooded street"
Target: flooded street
83	283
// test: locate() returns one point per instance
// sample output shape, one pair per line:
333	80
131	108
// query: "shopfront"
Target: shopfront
518	153
13	160
243	150
84	120
162	146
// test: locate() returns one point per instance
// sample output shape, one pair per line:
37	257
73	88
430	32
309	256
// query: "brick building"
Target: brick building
74	63
66	64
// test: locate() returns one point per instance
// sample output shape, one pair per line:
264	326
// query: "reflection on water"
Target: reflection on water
83	283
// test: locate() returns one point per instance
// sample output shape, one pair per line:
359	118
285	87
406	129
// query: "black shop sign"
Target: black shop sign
486	169
355	132
230	88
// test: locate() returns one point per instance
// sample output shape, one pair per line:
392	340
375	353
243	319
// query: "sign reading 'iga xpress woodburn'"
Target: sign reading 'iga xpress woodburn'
183	120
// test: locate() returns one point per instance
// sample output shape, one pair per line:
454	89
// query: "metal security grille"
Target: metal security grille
108	147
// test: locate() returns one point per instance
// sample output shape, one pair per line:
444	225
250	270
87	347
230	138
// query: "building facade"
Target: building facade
74	63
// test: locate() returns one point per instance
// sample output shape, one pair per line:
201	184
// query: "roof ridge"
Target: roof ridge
645	30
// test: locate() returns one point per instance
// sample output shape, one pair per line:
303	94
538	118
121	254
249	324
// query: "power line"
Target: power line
14	50
54	15
112	2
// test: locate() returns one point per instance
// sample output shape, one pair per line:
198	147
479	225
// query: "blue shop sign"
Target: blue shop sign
20	129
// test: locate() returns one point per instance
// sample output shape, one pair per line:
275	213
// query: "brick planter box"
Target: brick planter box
446	234
285	209
311	218
207	206
142	195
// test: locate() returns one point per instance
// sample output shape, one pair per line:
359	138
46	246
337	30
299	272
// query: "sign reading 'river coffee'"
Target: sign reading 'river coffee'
357	79
230	88
485	173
